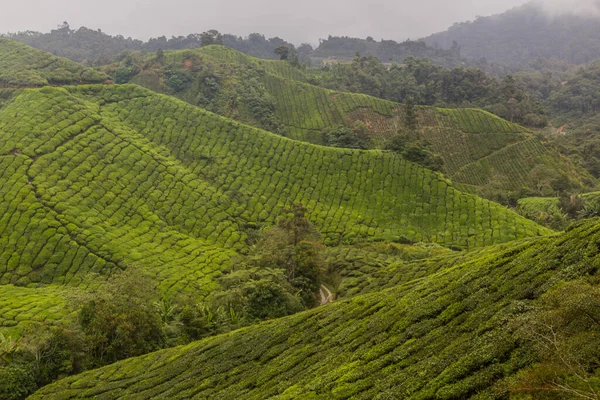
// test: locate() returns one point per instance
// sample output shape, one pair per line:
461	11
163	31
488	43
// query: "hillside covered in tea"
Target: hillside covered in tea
486	152
182	231
23	66
451	334
111	171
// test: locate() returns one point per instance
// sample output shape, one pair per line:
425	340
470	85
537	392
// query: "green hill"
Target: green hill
479	149
101	177
443	336
24	66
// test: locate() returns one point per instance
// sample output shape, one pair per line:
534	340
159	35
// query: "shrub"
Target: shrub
16	382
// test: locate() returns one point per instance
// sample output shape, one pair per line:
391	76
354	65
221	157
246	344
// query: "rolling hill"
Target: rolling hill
484	150
442	336
98	178
23	66
101	177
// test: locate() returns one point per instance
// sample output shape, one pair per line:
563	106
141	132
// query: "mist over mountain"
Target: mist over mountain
549	29
556	8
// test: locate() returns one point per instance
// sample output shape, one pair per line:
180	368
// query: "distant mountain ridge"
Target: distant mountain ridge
524	34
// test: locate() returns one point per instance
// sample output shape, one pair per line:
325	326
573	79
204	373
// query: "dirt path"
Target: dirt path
326	295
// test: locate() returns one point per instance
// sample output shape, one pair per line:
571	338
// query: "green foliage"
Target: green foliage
354	137
564	329
273	95
52	352
441	335
118	318
177	81
16	382
23	66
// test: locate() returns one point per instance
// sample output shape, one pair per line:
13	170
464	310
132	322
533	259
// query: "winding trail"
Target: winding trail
326	298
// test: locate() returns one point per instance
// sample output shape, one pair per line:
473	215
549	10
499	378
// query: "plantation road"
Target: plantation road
326	295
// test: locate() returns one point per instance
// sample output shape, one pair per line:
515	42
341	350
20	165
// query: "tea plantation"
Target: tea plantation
477	148
101	177
443	336
23	66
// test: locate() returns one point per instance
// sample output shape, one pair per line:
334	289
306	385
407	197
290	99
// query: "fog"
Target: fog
295	21
577	7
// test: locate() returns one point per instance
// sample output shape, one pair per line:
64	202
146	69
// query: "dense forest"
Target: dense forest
345	48
95	47
212	216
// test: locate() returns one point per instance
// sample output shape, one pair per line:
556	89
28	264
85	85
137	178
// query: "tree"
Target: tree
417	151
16	382
295	246
542	176
160	56
283	52
211	37
304	53
410	115
564	331
118	317
355	137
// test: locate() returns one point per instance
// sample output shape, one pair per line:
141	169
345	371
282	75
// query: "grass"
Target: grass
440	336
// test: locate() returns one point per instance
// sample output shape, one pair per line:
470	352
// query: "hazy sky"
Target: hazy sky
296	21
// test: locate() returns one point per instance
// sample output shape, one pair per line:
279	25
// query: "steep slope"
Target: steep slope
349	193
477	147
24	66
443	336
95	178
524	34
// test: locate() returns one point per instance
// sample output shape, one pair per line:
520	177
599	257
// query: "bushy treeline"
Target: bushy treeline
423	82
345	48
96	47
559	212
572	101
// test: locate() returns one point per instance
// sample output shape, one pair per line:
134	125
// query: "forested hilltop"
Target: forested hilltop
388	51
522	35
94	46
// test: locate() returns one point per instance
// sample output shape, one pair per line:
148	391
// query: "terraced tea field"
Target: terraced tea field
442	336
23	66
99	178
95	178
477	147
